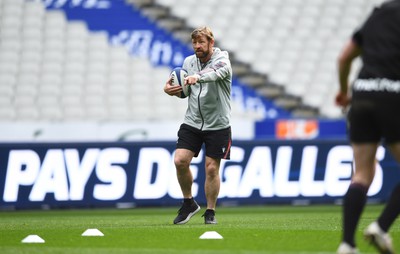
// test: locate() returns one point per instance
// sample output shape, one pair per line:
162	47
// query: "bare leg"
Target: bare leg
364	158
212	182
182	160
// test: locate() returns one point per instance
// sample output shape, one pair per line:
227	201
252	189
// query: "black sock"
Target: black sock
354	202
188	201
391	211
210	211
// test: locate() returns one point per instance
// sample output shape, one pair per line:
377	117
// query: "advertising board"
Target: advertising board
40	175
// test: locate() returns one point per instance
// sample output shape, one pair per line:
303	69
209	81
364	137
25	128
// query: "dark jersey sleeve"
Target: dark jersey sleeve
358	34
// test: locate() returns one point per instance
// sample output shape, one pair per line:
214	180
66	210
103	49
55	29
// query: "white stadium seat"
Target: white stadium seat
25	101
7	113
73	113
27	114
27	89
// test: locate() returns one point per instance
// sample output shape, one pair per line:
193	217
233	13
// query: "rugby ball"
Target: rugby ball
178	75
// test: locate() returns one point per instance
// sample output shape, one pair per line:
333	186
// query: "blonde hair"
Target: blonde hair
206	31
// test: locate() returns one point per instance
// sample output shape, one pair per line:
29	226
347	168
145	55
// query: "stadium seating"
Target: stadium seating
55	70
294	42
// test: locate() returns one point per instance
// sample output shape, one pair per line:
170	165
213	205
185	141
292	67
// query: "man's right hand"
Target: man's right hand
172	90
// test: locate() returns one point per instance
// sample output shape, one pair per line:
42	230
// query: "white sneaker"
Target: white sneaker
380	239
345	248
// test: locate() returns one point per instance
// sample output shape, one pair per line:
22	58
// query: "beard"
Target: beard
202	54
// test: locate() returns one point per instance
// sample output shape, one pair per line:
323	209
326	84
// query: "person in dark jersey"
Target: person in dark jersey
373	118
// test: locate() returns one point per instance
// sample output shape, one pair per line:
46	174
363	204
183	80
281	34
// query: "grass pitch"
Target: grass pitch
246	230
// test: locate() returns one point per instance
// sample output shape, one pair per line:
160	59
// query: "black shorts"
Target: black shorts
217	143
371	120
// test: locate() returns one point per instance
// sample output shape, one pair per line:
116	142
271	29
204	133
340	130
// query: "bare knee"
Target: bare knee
212	168
212	171
181	163
182	159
